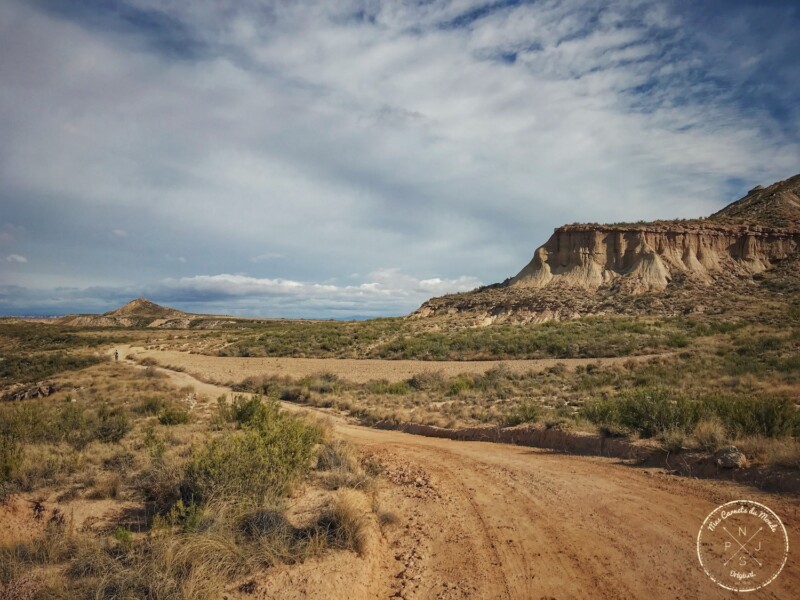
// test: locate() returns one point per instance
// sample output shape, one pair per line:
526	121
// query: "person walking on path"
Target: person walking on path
116	355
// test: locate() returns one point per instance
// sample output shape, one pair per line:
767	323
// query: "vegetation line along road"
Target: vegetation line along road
514	510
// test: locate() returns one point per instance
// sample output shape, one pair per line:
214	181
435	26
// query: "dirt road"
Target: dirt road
230	369
480	520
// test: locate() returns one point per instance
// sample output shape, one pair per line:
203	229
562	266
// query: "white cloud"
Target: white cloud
16	258
386	289
340	144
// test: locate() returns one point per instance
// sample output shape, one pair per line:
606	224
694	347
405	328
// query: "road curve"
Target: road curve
483	520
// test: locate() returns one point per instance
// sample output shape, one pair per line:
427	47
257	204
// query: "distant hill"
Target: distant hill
141	312
663	267
142	307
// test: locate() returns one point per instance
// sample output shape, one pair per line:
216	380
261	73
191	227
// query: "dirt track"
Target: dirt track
480	520
228	369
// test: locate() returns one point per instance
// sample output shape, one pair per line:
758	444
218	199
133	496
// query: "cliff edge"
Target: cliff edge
635	268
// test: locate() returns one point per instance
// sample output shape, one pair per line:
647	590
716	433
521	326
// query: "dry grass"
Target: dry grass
344	522
108	487
340	466
782	452
710	434
197	530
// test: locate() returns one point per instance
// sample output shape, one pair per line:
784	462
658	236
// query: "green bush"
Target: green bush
174	415
38	421
22	368
459	385
259	462
651	411
743	415
248	411
151	406
527	411
382	386
431	380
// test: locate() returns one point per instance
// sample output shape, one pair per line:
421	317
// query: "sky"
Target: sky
350	159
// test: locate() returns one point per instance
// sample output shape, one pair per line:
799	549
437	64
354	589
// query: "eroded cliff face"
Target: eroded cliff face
648	258
665	267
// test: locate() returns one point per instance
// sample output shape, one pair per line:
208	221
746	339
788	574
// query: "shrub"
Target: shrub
43	422
109	487
341	465
429	380
22	368
124	538
382	386
251	411
112	426
460	384
337	454
527	411
260	462
344	524
293	394
771	416
673	440
710	434
155	444
174	415
647	411
151	406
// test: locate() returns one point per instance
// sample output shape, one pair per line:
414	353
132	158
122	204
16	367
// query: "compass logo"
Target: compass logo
742	546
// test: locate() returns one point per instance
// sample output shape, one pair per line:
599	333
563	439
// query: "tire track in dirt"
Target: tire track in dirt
482	520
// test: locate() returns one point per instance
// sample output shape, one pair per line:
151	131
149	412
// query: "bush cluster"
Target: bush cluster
260	461
651	411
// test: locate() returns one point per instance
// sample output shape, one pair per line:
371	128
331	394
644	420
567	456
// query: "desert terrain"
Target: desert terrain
487	520
563	434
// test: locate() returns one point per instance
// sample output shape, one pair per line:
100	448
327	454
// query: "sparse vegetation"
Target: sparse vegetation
213	494
217	483
31	367
399	339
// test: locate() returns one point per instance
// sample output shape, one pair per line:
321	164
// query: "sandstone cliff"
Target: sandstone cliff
660	267
650	257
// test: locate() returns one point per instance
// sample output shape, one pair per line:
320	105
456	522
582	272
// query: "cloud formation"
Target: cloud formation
304	141
383	292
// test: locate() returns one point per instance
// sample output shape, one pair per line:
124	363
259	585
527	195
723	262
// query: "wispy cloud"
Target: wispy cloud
266	257
16	258
313	139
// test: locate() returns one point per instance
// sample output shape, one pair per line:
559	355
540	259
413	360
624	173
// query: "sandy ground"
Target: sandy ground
480	520
228	369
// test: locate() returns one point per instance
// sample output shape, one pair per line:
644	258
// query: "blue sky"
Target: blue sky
353	158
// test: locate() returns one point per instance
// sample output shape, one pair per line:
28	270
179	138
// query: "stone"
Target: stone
730	457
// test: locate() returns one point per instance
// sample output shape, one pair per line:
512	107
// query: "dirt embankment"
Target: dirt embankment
486	520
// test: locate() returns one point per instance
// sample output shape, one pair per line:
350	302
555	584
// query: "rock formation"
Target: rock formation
136	313
659	267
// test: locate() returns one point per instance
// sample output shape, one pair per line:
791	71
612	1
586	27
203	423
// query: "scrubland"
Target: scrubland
119	485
